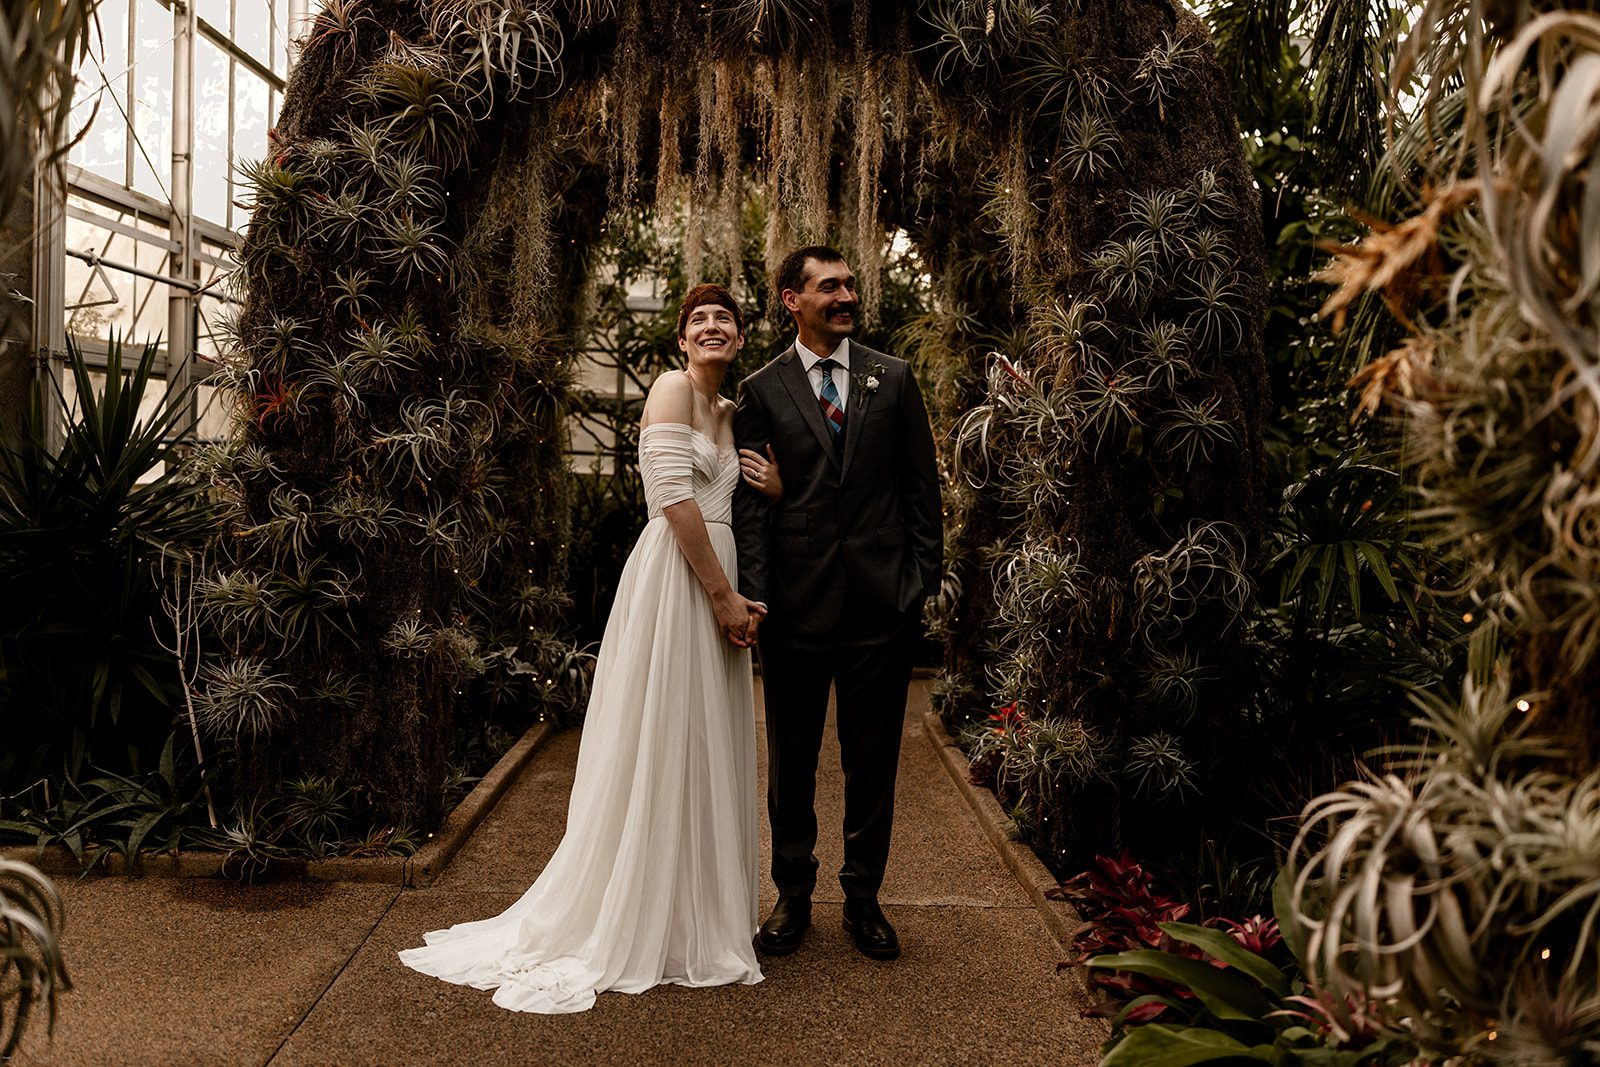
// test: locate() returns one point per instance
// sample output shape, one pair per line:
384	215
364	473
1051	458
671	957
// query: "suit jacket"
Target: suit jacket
863	520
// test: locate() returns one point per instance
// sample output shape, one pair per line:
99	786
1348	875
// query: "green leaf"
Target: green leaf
140	830
1283	910
1226	994
1221	945
1380	569
1159	1045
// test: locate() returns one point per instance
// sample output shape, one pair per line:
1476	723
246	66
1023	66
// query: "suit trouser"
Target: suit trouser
866	657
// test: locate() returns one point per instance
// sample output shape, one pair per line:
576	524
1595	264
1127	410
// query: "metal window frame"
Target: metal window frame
187	236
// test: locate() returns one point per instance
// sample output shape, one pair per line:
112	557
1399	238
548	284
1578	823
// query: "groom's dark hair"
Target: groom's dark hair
792	271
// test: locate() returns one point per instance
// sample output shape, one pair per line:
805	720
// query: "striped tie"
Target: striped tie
829	399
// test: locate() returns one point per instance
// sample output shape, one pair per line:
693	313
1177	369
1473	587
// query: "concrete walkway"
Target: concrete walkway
198	971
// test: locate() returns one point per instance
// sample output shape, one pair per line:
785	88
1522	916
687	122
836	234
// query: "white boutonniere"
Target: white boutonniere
868	380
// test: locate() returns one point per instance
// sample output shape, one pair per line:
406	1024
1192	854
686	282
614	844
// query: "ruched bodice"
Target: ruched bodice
678	462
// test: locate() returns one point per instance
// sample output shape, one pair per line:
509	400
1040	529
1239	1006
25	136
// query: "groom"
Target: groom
844	562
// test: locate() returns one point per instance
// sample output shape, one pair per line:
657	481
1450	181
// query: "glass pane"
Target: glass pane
99	301
152	104
216	414
210	332
210	132
280	37
252	28
150	298
249	117
215	12
104	149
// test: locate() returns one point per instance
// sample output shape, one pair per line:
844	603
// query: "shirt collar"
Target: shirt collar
841	355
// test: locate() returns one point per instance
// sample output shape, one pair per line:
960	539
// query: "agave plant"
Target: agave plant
83	534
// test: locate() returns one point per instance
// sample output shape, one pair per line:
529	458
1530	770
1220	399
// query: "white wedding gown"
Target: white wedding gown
655	879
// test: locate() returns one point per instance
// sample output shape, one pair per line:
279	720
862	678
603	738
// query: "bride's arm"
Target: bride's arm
671	399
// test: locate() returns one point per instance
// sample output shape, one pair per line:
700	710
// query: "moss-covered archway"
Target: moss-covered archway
1068	169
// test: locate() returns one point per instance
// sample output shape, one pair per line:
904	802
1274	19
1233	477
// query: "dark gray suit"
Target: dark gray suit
844	562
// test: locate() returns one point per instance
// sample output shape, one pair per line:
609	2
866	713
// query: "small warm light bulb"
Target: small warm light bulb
1523	705
1467	617
1544	954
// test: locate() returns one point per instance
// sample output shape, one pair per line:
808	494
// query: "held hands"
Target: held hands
738	618
762	472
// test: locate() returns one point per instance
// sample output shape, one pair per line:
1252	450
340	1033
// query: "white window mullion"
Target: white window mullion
180	300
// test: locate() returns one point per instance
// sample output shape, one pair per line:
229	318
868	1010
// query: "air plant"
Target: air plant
1167	349
425	109
414	248
1203	571
515	44
1090	145
1159	768
314	812
1214	295
964	42
31	962
1164	214
781	22
312	602
409	639
1162	71
240	697
1126	268
1193	429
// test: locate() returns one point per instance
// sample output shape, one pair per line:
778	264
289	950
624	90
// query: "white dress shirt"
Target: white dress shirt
841	373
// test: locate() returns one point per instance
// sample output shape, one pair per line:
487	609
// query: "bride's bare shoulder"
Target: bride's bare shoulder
671	399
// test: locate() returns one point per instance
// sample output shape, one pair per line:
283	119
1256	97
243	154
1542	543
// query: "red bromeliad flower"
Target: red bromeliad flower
1257	934
1007	718
1123	912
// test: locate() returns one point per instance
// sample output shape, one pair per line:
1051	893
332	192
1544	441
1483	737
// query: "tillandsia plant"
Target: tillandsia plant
32	970
1454	892
1455	889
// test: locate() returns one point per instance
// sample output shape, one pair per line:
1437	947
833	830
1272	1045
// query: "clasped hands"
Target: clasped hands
738	617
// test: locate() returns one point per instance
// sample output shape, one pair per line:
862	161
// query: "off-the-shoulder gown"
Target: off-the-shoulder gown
655	879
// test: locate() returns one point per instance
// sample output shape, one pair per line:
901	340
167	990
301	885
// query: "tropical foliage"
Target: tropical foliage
91	535
1454	889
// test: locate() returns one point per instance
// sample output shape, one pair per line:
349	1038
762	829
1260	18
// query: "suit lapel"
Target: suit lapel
855	404
792	373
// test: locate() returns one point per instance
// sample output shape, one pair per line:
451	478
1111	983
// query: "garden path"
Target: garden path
194	971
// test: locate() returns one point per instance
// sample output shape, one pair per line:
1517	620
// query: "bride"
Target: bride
655	879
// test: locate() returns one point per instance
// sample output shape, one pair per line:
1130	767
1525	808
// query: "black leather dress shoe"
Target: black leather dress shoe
785	927
865	923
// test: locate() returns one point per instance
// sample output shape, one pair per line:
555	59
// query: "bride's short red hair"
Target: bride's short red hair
709	293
